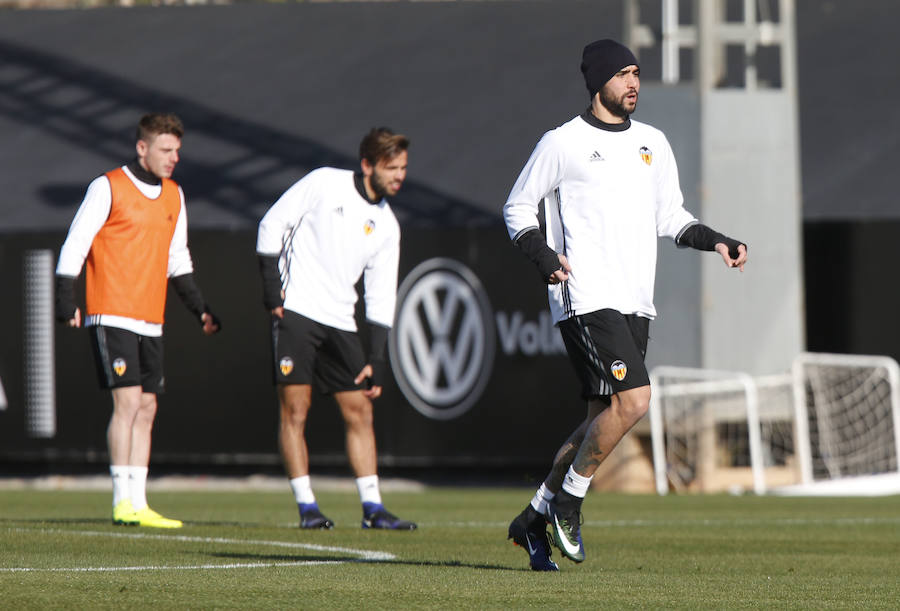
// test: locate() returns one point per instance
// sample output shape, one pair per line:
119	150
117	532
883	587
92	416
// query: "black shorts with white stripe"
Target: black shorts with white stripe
607	350
124	358
308	352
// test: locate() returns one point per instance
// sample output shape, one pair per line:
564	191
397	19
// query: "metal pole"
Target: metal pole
40	370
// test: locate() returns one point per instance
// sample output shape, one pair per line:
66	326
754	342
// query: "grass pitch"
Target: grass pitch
243	550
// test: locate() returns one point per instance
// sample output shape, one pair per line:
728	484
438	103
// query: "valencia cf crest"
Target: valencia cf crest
646	155
619	370
119	366
369	227
286	365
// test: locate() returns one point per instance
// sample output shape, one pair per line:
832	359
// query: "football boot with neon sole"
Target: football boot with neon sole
123	514
566	529
149	518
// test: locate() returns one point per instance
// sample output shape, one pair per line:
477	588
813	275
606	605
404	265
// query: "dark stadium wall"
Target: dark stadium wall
268	92
851	294
271	91
220	407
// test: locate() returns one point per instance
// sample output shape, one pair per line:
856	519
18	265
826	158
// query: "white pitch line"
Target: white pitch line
364	555
192	567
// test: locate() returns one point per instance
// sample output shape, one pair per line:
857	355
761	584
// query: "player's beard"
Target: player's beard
379	186
616	107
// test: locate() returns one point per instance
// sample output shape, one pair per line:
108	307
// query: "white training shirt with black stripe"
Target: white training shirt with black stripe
608	191
327	235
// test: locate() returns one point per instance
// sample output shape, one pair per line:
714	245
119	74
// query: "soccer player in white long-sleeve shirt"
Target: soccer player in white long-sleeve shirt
610	188
313	245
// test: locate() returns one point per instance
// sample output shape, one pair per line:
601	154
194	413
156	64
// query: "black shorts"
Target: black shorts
607	349
124	358
308	352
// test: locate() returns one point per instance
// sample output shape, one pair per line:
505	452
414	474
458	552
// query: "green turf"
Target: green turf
677	552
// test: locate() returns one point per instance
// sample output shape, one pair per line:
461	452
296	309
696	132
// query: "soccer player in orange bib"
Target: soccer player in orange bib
131	228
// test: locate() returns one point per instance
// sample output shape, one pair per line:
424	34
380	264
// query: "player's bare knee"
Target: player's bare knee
145	415
294	412
126	400
357	413
634	404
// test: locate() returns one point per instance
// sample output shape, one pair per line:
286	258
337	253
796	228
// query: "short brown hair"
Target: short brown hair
382	143
156	123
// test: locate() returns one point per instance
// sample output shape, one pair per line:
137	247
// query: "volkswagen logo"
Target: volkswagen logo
442	346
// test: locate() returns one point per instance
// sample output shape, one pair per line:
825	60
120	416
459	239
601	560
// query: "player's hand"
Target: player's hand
722	249
278	312
562	274
210	323
75	321
372	392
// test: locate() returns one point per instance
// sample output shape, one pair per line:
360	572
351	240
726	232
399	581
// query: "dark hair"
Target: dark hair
155	123
382	143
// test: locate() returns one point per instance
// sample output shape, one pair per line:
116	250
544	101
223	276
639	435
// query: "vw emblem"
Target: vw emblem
442	346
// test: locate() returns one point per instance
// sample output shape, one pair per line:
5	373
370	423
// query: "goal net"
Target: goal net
847	424
829	427
719	430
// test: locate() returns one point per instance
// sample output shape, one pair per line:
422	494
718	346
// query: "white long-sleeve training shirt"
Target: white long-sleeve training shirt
90	217
327	235
608	195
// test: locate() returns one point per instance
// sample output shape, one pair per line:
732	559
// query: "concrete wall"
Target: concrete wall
752	322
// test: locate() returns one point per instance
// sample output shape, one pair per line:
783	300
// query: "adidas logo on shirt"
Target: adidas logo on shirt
596	157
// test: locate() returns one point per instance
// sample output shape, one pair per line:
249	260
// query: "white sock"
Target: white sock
576	485
368	489
302	490
541	497
137	479
120	485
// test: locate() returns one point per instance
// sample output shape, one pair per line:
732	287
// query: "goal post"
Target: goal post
686	407
847	416
830	426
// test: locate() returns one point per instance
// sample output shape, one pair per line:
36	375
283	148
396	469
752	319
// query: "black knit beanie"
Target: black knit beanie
601	60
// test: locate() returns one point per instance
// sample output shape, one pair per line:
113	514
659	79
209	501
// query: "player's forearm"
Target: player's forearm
378	335
534	245
186	288
701	237
271	281
64	294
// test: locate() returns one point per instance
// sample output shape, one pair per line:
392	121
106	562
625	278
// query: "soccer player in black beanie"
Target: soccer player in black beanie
609	186
601	59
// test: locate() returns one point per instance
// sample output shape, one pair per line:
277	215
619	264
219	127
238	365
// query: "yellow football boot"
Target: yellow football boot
123	514
148	517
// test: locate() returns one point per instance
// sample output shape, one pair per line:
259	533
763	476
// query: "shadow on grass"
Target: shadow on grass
262	558
95	521
55	521
358	560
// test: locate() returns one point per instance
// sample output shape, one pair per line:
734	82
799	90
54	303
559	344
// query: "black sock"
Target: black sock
532	515
567	503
